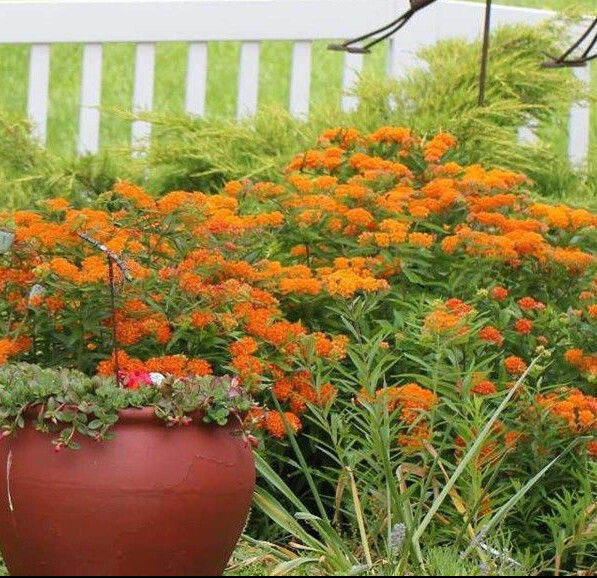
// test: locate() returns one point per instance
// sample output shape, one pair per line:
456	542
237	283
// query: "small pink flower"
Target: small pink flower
135	379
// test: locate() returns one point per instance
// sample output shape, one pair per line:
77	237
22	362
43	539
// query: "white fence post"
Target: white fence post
91	93
300	79
248	80
143	91
579	129
196	78
38	90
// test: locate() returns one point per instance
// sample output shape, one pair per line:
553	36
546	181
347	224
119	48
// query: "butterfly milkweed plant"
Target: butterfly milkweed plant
419	332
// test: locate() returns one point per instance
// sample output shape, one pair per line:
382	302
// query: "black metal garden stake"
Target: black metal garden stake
484	53
112	259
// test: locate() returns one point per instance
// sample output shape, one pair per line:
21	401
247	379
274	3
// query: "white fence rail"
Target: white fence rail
93	23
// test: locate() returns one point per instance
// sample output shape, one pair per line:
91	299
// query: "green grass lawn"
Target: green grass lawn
118	69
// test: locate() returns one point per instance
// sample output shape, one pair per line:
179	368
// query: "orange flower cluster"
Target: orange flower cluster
515	365
214	275
298	389
578	410
528	304
449	316
411	402
524	326
563	217
13	347
586	363
438	146
491	334
177	365
484	387
275	422
191	290
499	293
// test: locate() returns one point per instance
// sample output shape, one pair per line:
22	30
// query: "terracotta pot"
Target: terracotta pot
153	501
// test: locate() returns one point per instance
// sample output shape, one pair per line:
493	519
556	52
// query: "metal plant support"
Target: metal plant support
380	34
113	259
566	60
364	43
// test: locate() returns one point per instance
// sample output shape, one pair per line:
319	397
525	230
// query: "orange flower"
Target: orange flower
458	306
198	367
302	286
247	365
299	251
484	387
199	319
392	134
64	269
57	204
233	188
282	388
421	239
414	440
175	365
359	217
524	326
515	365
136	194
577	410
334	348
326	394
439	145
574	356
499	293
274	423
511	439
244	346
54	303
411	399
490	333
528	303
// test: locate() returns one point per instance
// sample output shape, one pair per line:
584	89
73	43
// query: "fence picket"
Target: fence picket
91	89
38	90
353	65
143	91
248	80
300	79
196	78
579	128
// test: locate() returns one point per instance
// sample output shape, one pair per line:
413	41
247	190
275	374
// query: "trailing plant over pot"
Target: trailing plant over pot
69	404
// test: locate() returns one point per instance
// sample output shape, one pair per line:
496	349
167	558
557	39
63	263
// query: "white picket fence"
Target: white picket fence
93	23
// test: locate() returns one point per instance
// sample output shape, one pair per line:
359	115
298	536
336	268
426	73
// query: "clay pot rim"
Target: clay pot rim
130	415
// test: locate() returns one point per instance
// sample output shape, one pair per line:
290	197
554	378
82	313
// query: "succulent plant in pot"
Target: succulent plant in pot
161	484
